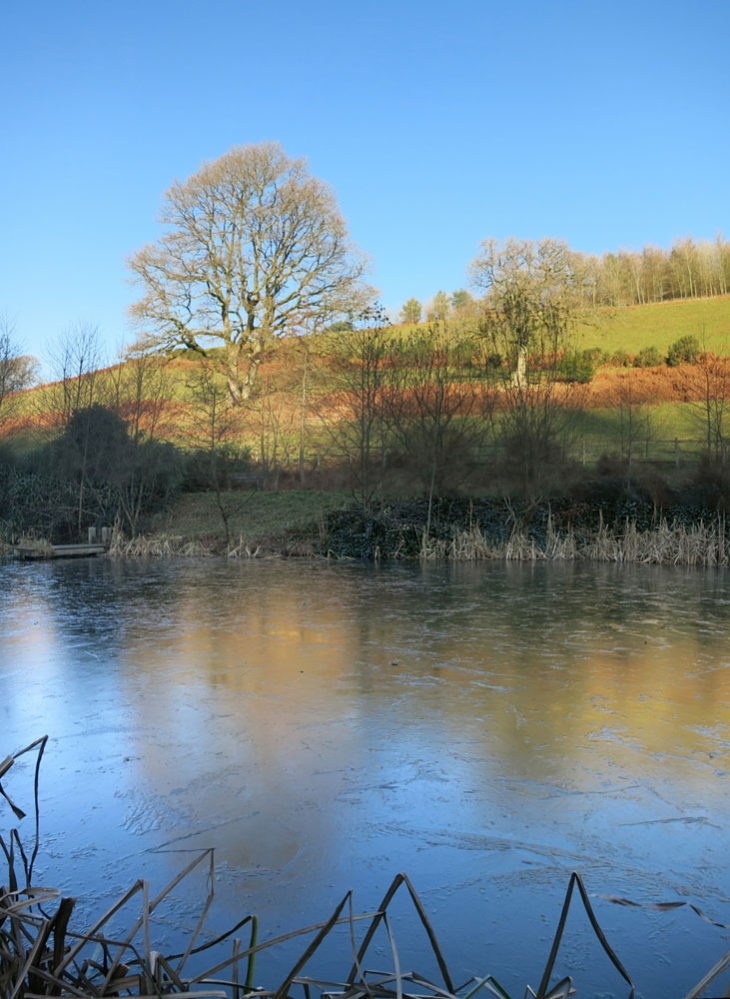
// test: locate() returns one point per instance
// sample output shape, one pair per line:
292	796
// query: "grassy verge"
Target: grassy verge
287	522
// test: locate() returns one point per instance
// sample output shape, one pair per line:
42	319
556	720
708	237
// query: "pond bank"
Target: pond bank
499	530
454	529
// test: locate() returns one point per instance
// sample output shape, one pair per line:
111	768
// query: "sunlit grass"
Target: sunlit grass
254	514
633	327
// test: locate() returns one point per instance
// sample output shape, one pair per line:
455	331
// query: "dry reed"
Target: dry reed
162	546
176	546
701	545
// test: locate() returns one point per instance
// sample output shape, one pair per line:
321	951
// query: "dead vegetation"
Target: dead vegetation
701	545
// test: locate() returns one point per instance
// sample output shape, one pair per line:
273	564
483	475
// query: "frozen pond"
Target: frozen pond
486	729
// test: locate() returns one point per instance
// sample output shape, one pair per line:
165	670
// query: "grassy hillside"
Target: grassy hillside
274	426
638	326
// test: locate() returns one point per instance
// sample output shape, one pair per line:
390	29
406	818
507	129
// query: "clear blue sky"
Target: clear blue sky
606	124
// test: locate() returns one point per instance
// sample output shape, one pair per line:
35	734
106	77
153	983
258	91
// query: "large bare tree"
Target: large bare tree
255	248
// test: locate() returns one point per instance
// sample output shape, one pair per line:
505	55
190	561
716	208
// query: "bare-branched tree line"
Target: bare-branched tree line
689	269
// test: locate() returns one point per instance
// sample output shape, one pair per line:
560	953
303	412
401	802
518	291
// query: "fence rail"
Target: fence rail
674	452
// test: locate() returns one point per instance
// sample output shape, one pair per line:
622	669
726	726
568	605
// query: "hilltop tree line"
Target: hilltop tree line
689	269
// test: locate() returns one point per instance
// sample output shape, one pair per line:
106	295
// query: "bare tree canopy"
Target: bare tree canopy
543	269
529	311
17	371
531	302
255	248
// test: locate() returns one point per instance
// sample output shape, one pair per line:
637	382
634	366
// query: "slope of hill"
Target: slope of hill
295	404
637	326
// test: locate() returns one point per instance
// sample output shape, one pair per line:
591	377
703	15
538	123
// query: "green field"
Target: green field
252	515
637	326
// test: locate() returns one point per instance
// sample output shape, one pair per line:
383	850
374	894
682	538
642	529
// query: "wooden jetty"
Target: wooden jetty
43	549
57	551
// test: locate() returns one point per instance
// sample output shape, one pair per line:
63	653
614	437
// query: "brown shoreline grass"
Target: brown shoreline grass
701	545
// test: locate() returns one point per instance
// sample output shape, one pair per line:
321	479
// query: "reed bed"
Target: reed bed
172	546
41	955
162	546
701	545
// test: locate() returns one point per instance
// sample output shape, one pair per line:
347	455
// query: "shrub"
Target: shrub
686	350
595	355
576	366
648	357
709	488
619	359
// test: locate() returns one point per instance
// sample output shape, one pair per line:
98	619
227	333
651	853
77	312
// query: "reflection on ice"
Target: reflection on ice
486	729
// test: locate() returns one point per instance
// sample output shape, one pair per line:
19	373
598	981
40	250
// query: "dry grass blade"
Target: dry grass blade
721	965
228	934
92	934
31	959
313	946
234	965
491	984
562	990
265	945
664	907
203	915
394	952
35	897
575	878
353	945
711	975
147	908
40	745
395	885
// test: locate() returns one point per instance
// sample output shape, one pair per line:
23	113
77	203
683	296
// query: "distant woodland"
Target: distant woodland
690	269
